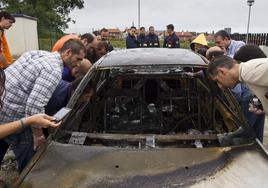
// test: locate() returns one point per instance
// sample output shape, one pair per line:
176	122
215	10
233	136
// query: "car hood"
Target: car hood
64	165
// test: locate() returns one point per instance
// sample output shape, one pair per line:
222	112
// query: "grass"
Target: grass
118	43
121	43
47	43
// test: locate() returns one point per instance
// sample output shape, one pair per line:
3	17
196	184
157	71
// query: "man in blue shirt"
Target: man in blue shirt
131	41
152	39
142	38
171	41
230	47
224	41
63	93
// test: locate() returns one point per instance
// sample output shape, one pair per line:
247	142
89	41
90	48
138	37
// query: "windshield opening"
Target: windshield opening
131	108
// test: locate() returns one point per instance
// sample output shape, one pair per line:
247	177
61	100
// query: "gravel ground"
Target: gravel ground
8	172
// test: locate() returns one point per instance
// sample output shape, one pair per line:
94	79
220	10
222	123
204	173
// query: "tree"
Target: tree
51	14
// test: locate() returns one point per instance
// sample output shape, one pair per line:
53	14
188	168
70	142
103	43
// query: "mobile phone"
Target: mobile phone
256	103
61	114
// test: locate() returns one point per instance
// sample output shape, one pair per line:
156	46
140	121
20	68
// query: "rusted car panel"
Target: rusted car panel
150	124
150	56
65	165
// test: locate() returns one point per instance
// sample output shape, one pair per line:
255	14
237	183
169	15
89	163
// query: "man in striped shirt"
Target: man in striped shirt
30	82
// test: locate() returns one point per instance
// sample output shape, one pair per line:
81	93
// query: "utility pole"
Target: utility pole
139	13
250	3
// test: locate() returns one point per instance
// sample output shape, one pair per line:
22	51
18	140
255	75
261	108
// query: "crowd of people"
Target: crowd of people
225	48
39	83
151	40
238	54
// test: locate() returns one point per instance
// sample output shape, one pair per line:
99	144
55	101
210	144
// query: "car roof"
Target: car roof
150	56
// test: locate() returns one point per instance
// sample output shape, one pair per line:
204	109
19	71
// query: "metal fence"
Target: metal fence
253	38
47	38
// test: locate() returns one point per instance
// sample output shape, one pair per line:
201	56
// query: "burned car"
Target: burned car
150	123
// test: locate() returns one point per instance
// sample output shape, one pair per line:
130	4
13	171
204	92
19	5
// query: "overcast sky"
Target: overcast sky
186	15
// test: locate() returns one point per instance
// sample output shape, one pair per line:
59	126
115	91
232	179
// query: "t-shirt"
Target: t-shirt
5	50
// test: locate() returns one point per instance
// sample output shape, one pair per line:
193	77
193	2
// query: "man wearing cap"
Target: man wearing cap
199	42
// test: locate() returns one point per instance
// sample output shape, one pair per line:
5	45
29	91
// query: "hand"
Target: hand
42	120
38	141
38	138
255	110
190	74
224	50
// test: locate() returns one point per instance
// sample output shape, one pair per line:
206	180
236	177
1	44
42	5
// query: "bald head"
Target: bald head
213	52
82	68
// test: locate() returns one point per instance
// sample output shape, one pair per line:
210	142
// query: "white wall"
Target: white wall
22	36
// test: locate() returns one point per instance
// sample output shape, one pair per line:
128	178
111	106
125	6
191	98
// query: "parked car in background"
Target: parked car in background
150	123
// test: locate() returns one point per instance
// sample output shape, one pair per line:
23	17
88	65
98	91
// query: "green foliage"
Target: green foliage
45	44
51	14
211	44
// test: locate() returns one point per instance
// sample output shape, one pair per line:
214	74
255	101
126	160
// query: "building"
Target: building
210	38
115	33
22	36
228	30
184	36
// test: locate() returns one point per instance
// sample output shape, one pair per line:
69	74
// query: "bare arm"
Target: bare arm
39	119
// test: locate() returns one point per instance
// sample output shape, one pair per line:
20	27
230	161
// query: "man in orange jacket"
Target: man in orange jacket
6	21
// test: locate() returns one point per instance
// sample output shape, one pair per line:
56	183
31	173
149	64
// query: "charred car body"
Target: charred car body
150	124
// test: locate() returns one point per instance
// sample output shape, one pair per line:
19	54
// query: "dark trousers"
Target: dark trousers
3	149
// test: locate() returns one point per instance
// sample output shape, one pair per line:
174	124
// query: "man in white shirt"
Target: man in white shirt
227	73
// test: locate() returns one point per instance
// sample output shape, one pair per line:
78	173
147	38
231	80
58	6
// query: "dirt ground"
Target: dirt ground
8	172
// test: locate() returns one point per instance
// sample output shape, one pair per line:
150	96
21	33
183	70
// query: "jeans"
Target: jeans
243	95
254	120
22	146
